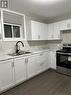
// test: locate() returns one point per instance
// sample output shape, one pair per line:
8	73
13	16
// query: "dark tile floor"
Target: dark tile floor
47	83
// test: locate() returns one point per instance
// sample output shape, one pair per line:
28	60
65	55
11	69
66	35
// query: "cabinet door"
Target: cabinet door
46	31
50	31
44	64
20	69
6	74
43	31
39	30
33	66
35	28
66	24
53	59
57	33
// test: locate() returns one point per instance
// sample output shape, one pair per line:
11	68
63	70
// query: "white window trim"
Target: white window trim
14	38
23	37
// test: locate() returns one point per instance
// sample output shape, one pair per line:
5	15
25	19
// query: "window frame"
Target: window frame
13	38
22	29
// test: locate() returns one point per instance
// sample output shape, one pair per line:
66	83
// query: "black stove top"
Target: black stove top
64	51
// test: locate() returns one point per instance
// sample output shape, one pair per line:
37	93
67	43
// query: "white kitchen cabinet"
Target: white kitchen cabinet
43	60
43	31
65	24
6	74
38	31
37	63
54	31
20	69
53	59
50	31
32	65
35	29
57	33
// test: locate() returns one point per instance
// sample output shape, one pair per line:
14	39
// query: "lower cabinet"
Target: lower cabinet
37	64
20	69
44	64
53	59
17	70
32	66
6	74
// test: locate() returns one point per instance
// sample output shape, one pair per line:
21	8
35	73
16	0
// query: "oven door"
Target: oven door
63	62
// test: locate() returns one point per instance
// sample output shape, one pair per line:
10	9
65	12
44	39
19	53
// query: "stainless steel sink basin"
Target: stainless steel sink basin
20	53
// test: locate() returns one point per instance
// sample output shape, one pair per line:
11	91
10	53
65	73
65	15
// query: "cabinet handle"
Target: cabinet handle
26	60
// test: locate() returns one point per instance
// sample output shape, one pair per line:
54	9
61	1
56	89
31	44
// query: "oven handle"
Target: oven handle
64	53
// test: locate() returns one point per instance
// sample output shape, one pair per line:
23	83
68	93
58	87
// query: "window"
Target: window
16	30
12	31
8	31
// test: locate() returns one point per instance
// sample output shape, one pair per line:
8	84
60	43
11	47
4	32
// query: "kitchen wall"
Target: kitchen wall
9	46
54	44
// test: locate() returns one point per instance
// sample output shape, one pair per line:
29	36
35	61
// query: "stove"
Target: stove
63	59
65	49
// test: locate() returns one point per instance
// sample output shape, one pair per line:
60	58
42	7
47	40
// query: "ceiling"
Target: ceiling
45	11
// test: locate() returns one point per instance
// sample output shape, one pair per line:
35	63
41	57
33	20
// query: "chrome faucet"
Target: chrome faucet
17	48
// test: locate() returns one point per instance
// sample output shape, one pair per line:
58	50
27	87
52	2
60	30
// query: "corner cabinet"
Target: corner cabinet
6	74
54	31
40	31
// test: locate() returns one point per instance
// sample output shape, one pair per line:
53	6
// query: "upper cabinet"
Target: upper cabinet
50	31
65	24
57	32
12	24
54	31
37	30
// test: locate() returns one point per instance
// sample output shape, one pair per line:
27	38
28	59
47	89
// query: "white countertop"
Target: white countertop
4	57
